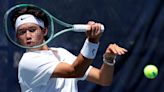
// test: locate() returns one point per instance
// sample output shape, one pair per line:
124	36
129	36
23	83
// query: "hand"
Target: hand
94	31
113	50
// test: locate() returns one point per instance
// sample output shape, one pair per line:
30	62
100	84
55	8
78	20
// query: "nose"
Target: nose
28	35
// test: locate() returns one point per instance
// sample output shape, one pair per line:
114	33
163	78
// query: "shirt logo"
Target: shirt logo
93	51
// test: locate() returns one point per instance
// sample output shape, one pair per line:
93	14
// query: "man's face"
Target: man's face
30	34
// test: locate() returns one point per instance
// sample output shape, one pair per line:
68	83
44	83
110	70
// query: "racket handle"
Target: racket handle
83	28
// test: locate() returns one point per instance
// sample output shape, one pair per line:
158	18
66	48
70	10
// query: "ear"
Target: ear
45	30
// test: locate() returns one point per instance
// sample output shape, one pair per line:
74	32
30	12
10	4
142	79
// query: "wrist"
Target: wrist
89	49
109	60
93	40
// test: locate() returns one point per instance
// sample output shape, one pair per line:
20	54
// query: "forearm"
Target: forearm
106	74
107	69
102	76
80	66
89	49
85	58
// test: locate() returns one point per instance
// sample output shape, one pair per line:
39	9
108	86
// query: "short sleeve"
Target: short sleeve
65	55
36	69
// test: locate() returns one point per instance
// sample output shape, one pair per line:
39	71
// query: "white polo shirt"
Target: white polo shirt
36	68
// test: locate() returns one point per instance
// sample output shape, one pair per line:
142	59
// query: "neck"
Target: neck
45	47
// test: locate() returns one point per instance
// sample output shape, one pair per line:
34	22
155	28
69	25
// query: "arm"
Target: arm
104	75
81	64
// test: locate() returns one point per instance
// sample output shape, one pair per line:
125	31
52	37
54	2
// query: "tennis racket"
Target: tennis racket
52	20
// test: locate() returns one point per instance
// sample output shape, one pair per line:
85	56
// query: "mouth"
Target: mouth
29	43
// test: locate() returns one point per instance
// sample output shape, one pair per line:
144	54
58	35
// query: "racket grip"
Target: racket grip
84	28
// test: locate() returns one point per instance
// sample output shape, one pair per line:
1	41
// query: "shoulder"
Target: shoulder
64	55
58	49
36	58
61	50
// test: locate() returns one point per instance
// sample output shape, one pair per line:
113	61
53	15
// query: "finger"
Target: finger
114	48
91	22
124	50
99	26
117	50
120	50
94	29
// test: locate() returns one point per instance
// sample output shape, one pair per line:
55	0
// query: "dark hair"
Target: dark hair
29	10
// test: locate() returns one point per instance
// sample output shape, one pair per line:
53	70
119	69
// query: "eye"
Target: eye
21	32
32	30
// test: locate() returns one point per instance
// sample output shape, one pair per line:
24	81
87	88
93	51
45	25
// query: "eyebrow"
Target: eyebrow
27	27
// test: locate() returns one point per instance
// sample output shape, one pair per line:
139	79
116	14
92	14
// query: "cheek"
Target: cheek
39	36
21	39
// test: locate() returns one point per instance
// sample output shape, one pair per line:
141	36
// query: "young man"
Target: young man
48	69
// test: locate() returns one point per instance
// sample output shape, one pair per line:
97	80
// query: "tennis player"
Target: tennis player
49	69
